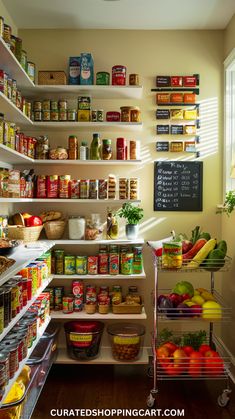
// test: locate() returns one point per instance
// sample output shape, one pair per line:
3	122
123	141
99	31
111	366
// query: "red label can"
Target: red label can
52	186
118	75
41	186
78	288
92	265
78	303
103	263
25	140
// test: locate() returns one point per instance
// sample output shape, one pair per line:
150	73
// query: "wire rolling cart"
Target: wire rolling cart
200	372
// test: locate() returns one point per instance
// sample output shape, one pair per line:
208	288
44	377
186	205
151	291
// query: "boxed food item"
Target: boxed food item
163	129
177	114
163	81
176	97
189	81
84	103
14	184
190	129
189	98
86	69
84	115
162	114
176	81
74	70
163	98
190	114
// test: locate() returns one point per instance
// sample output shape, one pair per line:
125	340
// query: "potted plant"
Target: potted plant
133	214
229	203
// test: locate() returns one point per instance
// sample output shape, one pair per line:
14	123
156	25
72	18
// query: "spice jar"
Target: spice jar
107	149
77	227
42	148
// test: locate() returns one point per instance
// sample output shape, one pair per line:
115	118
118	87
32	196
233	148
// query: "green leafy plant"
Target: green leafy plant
229	203
133	214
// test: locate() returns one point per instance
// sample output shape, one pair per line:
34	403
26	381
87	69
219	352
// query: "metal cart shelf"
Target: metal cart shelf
172	315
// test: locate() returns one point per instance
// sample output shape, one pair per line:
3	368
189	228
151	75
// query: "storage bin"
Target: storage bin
54	229
52	77
27	234
127	341
83	339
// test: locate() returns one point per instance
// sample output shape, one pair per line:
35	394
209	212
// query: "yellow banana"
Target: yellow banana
202	254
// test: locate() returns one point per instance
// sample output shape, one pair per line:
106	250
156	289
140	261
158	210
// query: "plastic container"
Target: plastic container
126	341
83	339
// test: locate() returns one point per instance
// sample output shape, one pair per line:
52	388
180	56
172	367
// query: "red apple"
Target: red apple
188	349
204	348
196	310
185	297
195	364
213	363
33	221
163	355
176	299
170	346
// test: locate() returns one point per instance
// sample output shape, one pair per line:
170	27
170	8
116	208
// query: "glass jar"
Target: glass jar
107	149
95	151
112	226
172	255
42	148
77	226
133	295
116	295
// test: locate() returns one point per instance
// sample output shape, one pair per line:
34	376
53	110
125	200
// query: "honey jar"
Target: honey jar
135	114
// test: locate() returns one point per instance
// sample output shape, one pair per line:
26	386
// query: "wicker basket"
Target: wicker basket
127	308
52	77
54	229
27	234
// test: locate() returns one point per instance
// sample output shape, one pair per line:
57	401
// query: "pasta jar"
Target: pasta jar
172	255
106	149
77	226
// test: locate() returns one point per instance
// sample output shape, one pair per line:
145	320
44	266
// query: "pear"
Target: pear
198	299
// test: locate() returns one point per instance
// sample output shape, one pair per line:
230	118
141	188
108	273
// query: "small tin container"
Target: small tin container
54	105
72	114
67	305
46	105
134	79
81	265
54	115
38	116
94	115
63	115
102	78
118	75
100	115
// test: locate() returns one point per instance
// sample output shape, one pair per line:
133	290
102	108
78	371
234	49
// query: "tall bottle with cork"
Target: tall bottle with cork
95	150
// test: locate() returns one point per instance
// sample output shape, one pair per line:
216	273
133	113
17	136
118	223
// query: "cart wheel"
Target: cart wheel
150	400
224	398
150	372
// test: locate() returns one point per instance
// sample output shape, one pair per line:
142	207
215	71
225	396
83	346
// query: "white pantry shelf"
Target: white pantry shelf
23	256
107	126
8	155
105	357
82	315
7	329
12	67
40	332
96	91
70	201
97	242
101	277
12	113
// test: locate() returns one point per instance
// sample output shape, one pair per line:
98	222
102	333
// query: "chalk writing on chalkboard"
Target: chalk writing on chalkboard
178	186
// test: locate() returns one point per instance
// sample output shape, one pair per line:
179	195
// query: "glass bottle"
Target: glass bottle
112	226
84	151
95	151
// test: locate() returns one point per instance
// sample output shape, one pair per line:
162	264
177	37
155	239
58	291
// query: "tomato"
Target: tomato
188	350
170	346
163	356
204	348
33	221
213	363
195	364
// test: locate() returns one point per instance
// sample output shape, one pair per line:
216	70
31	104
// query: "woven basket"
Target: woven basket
52	77
27	234
54	229
127	309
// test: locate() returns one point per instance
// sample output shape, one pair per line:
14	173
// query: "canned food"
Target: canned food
91	297
103	262
1	310
127	263
78	287
135	114
69	265
138	260
52	186
13	44
100	115
12	348
54	115
67	305
46	115
63	104
7	33
102	78
93	189
38	116
54	105
64	186
81	265
94	115
18	48
72	113
84	192
172	255
1	26
118	75
114	263
46	105
92	265
59	261
63	115
78	303
59	292
23	59
102	189
126	113
116	294
31	147
31	70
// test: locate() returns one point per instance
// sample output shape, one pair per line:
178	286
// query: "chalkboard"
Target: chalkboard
178	186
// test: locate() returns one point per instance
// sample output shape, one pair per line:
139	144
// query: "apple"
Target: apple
163	354
176	299
186	246
204	348
213	363
188	349
33	221
185	297
195	364
170	346
196	310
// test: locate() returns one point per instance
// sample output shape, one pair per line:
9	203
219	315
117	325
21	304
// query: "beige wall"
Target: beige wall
148	53
7	18
229	37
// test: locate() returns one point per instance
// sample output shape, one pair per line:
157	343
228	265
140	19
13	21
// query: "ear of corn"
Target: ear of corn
202	254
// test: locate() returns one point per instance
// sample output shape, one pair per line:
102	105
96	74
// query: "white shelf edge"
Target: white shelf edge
81	315
105	357
41	330
32	255
16	63
20	158
98	277
71	201
25	119
78	125
94	242
7	329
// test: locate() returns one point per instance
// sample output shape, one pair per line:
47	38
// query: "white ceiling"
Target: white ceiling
121	14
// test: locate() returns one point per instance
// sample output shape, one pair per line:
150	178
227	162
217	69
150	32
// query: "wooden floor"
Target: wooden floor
125	387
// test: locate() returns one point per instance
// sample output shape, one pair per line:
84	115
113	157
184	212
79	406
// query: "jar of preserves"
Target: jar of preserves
116	295
107	149
135	114
77	226
126	113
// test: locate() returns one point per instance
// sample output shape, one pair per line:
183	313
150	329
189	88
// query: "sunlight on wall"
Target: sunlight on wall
209	131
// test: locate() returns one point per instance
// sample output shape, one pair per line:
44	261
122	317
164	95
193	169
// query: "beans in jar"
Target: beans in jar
125	351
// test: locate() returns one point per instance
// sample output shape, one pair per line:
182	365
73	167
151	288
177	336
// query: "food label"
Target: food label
126	340
80	340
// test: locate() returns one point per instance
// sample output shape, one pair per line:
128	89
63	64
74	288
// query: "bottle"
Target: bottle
112	226
84	151
95	152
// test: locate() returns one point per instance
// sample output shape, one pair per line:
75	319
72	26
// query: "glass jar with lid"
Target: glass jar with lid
77	226
133	295
107	152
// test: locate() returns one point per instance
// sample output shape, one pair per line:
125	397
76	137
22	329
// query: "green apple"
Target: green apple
211	310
